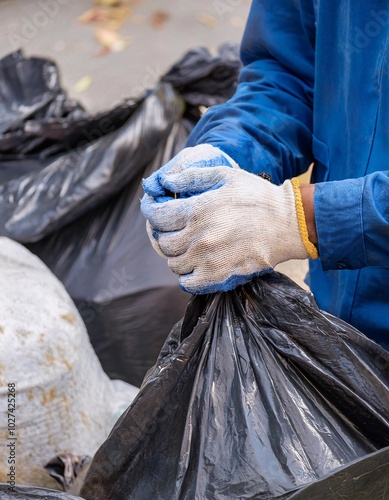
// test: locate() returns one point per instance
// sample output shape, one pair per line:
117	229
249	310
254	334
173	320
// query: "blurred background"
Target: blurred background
111	49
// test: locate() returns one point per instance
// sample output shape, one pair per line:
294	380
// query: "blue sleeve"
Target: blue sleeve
352	222
267	125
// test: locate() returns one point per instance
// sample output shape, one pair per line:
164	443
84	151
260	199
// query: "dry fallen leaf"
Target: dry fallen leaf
119	13
108	3
111	39
159	18
94	15
208	20
83	84
111	17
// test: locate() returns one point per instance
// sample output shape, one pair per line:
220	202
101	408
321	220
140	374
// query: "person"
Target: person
314	87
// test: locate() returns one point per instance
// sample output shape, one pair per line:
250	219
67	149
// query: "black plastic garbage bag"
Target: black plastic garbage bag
125	292
79	212
204	79
57	190
255	394
19	492
70	190
363	479
30	90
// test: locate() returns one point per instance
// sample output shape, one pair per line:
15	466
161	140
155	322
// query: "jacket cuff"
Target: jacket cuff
339	224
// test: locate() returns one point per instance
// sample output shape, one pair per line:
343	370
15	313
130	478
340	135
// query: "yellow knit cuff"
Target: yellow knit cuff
310	247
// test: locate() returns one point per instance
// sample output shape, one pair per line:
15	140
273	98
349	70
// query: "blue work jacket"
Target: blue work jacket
315	87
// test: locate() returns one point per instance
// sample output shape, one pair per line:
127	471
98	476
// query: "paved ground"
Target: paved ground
51	28
157	33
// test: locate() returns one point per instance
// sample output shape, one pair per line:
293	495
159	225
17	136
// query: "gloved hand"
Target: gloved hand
233	226
203	155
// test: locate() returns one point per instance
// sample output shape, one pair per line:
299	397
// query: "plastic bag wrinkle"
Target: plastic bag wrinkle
256	394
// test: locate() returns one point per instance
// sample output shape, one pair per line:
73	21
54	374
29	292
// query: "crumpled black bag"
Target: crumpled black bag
205	79
20	492
363	479
78	211
30	92
254	395
70	186
126	294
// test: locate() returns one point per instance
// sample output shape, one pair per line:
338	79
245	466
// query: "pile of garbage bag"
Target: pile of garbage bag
256	394
70	189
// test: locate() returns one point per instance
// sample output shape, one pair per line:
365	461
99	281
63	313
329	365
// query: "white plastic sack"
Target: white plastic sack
64	400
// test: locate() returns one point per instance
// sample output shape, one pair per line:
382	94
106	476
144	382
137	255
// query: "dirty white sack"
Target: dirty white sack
64	402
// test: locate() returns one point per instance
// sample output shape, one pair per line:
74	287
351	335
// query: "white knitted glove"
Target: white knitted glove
201	156
233	226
